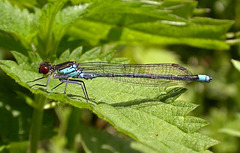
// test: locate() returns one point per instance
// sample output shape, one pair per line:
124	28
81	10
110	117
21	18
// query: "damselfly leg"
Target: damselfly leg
79	82
57	85
67	80
42	85
63	79
36	79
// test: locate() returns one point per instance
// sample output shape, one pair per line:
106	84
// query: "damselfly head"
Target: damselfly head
44	67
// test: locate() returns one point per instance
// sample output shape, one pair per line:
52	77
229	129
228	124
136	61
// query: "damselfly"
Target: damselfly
143	74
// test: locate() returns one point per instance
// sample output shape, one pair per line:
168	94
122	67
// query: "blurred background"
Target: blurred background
219	101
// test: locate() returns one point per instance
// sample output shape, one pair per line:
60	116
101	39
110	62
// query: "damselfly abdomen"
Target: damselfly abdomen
138	74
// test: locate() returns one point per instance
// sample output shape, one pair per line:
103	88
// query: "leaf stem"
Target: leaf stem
36	123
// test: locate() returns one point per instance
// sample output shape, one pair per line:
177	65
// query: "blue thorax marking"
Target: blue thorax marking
71	71
74	74
68	70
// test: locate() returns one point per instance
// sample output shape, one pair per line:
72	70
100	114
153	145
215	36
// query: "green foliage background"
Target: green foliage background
120	117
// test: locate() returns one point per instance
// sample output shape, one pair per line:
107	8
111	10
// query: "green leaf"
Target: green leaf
236	64
53	23
107	21
35	60
149	123
20	58
69	14
63	56
179	7
24	3
76	54
100	22
91	54
163	125
107	56
48	39
17	22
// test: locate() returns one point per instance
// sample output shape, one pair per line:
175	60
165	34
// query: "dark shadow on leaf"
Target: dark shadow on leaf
77	97
130	103
43	89
169	97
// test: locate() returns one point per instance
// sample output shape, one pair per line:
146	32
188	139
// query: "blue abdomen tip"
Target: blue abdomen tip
204	78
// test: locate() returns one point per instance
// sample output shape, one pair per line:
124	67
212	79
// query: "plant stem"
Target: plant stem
72	127
36	123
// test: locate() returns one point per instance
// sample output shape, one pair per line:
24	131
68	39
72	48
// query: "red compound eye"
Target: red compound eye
44	69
